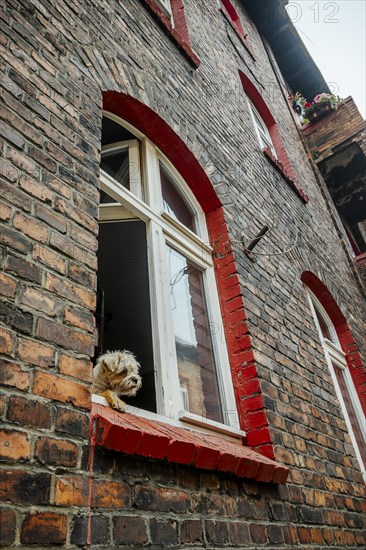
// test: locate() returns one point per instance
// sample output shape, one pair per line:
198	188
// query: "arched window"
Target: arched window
264	137
156	285
345	390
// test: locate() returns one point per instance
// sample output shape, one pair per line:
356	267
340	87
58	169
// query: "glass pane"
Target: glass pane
116	164
174	203
351	411
324	328
196	362
104	198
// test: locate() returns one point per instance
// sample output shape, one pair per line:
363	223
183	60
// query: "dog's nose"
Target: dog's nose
134	379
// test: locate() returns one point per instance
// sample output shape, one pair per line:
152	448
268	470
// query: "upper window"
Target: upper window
165	6
170	14
342	380
232	16
156	286
264	137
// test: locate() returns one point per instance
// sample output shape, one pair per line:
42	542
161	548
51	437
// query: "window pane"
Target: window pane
104	198
116	164
324	328
351	411
196	363
123	315
174	203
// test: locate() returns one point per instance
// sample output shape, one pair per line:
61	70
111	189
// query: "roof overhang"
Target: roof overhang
295	62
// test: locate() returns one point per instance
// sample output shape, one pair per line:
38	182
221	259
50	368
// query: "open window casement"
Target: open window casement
261	129
159	291
342	380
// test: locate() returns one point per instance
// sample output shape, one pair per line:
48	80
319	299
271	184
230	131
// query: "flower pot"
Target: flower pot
321	111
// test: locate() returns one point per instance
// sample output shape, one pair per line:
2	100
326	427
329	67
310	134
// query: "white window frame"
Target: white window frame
163	229
165	7
263	135
335	355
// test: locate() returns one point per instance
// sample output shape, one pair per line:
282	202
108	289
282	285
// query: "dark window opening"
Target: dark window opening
123	311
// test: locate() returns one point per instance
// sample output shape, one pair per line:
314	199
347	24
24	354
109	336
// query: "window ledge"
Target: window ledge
173	34
281	170
134	435
242	38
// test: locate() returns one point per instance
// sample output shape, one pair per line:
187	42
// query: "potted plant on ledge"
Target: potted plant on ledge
322	105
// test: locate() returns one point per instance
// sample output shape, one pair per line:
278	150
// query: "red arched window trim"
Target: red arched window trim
348	343
232	16
249	399
282	163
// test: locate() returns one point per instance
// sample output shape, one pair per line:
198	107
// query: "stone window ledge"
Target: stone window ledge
135	435
281	170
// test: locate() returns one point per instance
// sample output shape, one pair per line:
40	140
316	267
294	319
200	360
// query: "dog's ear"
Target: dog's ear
108	361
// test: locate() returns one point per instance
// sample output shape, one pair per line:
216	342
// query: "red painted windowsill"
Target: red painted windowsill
361	259
281	170
243	38
134	435
172	32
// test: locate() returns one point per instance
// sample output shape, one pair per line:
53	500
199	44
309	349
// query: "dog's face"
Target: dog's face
118	371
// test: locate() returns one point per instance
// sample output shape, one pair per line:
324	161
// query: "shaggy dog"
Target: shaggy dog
117	373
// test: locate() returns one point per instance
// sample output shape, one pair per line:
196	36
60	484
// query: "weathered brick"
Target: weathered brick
164	532
8	285
191	532
79	318
61	389
64	336
13	375
5	212
239	534
14	445
70	291
56	452
36	189
15	318
25	487
30	227
72	422
99	530
13	239
76	367
44	528
36	353
161	499
111	494
48	216
217	532
8	527
40	301
24	269
49	257
129	530
28	412
7	341
23	162
72	491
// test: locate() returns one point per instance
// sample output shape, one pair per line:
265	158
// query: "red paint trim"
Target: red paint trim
159	132
246	383
281	170
247	388
177	33
228	10
348	343
139	436
282	163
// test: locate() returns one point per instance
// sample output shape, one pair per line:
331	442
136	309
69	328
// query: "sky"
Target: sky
334	33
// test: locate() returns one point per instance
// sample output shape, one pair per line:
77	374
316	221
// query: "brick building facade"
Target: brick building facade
201	90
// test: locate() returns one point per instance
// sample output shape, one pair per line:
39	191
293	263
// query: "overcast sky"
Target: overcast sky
334	34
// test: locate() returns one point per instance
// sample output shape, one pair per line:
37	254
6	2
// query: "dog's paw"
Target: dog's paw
119	405
115	402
